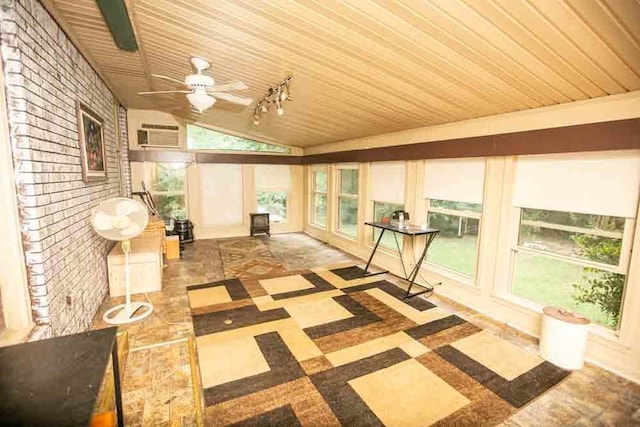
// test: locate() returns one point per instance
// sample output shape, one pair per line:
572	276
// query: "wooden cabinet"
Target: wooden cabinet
145	266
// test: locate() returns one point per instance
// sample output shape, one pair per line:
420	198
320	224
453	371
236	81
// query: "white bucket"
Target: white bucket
563	339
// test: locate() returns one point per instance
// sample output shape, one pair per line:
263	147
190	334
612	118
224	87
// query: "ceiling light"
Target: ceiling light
201	100
274	95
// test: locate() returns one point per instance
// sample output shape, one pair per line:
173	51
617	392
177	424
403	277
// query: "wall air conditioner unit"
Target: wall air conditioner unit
162	136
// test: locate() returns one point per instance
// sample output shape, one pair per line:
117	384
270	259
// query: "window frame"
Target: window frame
459	276
148	178
314	191
340	195
622	268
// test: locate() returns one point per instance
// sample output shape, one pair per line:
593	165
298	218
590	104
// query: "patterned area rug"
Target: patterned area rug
248	257
324	348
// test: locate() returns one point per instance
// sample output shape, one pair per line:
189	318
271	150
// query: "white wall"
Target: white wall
618	352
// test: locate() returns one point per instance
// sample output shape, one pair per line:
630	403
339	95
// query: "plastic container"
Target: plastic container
563	338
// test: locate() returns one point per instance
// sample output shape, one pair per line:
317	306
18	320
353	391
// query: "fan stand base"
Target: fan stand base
127	314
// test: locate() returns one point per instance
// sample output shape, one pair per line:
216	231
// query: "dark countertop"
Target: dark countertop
54	382
409	229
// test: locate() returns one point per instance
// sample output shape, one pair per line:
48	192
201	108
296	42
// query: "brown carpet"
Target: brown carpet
323	348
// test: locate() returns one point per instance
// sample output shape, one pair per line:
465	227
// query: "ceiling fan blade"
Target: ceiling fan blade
225	87
164	91
171	79
242	100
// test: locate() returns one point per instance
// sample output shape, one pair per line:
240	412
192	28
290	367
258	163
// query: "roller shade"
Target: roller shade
460	180
273	177
590	183
221	194
387	182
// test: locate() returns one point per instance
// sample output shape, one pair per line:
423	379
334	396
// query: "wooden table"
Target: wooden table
56	382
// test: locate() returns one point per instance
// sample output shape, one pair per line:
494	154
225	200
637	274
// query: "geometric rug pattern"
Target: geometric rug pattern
247	257
328	347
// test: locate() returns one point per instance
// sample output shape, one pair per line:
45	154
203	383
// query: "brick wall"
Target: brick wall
45	75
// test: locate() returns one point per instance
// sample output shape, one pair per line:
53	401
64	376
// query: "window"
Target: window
273	185
319	197
456	246
571	260
200	138
348	200
453	189
384	210
274	203
387	193
575	222
167	189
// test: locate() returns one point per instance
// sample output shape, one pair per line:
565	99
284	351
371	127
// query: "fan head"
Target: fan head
119	219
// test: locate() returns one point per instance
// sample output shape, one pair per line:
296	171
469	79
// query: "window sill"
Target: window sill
346	236
321	227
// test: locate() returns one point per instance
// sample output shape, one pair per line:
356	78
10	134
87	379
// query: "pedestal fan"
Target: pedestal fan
121	219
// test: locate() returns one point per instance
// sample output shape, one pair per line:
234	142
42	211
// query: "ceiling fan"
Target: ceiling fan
203	91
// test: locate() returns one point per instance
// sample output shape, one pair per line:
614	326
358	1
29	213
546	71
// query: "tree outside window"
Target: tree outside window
348	201
573	261
319	198
167	189
274	203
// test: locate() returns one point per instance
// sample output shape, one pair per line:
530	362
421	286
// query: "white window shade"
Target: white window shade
387	182
221	194
459	180
273	177
604	183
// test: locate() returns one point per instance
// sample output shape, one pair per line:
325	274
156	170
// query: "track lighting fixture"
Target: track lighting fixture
275	95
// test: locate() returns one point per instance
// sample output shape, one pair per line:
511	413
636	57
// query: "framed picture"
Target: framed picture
92	152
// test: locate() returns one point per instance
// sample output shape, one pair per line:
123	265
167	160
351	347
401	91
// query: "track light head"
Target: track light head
275	95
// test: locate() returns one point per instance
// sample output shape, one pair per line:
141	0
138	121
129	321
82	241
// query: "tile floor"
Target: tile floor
159	377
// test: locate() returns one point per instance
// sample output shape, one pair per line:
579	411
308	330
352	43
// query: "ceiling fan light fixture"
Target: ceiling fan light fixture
200	100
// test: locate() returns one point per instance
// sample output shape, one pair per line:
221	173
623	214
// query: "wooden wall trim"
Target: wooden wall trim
248	159
616	135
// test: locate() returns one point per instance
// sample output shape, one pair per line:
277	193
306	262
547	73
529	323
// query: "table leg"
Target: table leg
116	382
366	268
416	269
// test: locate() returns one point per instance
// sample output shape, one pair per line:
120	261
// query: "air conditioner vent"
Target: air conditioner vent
158	136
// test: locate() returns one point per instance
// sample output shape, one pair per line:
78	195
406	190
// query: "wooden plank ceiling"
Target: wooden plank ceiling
365	67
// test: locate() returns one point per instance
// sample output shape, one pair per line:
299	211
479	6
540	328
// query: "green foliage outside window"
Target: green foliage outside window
168	178
275	203
199	138
602	288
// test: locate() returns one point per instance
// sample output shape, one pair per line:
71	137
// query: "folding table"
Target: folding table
408	230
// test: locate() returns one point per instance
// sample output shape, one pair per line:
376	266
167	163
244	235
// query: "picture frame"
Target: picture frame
91	143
